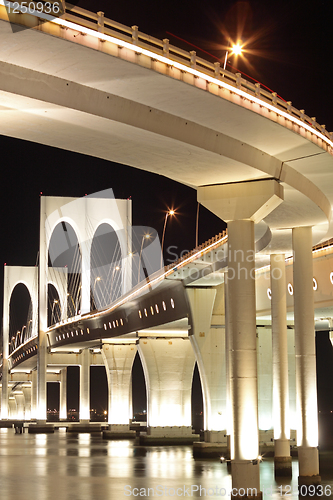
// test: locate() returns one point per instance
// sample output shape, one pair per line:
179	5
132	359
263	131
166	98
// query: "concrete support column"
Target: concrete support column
244	392
265	385
34	394
85	386
241	205
227	364
42	316
306	382
4	390
63	395
27	402
19	398
118	360
12	407
282	458
168	367
5	348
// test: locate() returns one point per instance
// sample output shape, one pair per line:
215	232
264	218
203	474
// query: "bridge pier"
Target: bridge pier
208	342
168	365
118	359
84	386
306	380
4	382
12	407
241	205
244	391
34	395
27	402
20	406
282	458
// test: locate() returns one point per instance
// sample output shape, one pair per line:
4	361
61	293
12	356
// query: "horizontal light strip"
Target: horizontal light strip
194	72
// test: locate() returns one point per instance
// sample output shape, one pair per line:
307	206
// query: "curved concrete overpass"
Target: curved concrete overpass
137	101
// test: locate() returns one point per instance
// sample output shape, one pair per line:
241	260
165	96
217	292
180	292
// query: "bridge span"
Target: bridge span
258	163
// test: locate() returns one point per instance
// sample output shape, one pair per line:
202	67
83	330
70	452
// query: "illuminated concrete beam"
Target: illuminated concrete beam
306	380
168	368
282	458
118	359
62	359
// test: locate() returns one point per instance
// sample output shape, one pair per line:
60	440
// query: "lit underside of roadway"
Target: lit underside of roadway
68	89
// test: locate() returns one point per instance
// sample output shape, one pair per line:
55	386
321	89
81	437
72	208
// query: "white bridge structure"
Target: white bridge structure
243	307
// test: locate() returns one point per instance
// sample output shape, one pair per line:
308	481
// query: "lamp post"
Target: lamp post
169	212
146	236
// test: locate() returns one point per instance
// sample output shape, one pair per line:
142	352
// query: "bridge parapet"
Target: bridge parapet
132	35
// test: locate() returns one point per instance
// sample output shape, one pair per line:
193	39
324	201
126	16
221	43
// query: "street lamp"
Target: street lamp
53	305
169	212
236	50
146	236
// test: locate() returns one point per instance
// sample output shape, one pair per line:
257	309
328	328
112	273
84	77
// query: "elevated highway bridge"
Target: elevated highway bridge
84	83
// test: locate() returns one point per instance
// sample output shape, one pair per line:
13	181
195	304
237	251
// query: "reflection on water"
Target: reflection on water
84	466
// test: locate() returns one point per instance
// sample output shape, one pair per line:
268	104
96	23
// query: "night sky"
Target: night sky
288	49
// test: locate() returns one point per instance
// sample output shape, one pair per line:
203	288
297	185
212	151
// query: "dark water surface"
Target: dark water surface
64	466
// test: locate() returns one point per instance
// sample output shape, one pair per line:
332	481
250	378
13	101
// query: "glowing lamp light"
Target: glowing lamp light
237	49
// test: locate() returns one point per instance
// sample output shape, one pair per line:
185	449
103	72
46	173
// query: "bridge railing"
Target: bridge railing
201	248
97	22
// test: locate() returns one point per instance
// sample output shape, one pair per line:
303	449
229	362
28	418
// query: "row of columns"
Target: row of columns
242	339
242	205
168	386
